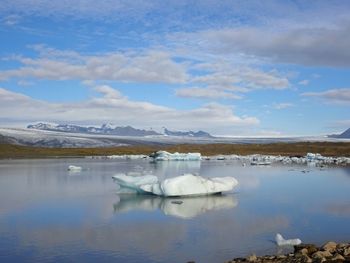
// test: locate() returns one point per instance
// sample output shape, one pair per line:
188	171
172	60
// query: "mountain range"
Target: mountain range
109	129
344	135
187	134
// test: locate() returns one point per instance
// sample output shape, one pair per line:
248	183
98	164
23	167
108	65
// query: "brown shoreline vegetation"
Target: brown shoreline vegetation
306	253
331	149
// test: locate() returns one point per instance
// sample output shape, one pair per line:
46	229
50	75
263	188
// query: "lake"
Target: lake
48	214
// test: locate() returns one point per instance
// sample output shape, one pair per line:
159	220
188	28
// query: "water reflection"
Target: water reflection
185	208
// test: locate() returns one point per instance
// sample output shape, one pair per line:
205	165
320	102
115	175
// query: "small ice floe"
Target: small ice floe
74	168
260	163
280	241
166	156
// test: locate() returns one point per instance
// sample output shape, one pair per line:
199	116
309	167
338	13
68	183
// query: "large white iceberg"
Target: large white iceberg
184	185
166	156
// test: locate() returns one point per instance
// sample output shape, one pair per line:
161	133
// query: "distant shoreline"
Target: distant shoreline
297	149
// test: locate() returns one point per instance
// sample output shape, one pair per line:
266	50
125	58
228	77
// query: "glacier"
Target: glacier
183	185
166	156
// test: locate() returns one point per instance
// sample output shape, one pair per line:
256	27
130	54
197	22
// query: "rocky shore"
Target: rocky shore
306	253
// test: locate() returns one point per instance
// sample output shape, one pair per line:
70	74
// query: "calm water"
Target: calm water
48	214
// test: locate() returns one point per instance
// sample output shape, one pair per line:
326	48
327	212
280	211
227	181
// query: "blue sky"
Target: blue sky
257	68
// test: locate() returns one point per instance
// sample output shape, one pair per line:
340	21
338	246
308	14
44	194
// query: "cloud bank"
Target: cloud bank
338	96
113	107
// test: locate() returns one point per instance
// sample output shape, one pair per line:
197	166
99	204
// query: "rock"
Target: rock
341	245
252	258
310	248
319	260
330	246
281	256
305	259
321	254
338	257
303	251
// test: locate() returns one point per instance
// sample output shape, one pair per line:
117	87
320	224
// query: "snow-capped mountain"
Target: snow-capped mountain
198	134
344	135
110	129
104	129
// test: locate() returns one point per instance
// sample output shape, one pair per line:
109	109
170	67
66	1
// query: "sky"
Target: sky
231	67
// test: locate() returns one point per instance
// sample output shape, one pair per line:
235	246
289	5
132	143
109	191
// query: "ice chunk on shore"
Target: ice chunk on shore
166	156
74	168
184	185
286	242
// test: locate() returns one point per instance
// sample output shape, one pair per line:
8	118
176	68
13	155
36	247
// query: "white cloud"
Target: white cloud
151	67
109	92
303	44
205	93
218	79
81	9
338	96
11	20
284	105
239	78
224	80
304	82
116	108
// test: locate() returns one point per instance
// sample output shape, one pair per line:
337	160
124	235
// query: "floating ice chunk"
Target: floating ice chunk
286	242
189	184
184	185
74	168
152	189
260	163
135	182
166	156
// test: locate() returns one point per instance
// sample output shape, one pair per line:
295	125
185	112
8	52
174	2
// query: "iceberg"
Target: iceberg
166	156
184	185
134	182
280	241
74	168
185	208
